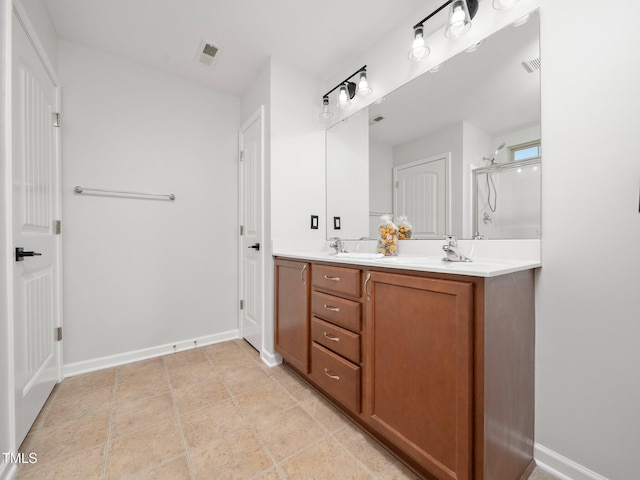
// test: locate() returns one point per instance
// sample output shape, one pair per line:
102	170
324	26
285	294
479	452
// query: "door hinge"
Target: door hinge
241	155
59	334
56	119
241	304
57	227
241	229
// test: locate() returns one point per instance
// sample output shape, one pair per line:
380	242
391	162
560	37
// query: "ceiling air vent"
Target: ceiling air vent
375	120
207	52
532	65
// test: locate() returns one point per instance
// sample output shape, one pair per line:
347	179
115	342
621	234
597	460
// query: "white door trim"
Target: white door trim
257	116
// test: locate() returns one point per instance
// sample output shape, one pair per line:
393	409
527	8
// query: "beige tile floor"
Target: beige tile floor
215	412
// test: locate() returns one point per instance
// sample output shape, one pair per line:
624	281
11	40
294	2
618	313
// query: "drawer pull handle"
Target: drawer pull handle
333	279
331	337
326	372
333	309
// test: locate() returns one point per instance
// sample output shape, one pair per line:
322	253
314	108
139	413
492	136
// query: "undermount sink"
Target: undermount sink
441	262
416	260
360	255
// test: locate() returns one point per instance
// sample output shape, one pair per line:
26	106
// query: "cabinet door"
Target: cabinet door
292	313
418	369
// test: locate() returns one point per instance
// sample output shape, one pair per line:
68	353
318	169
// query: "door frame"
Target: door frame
258	115
11	9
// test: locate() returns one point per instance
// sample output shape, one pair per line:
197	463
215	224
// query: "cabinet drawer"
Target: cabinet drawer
341	341
338	377
337	279
344	313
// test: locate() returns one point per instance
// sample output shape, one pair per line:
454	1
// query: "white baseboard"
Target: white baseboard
562	467
94	364
271	359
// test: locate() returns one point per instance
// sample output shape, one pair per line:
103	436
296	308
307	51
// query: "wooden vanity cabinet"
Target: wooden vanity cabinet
292	281
438	367
419	376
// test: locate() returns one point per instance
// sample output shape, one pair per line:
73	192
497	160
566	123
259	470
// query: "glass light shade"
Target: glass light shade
504	4
363	85
419	50
522	20
459	19
343	97
325	114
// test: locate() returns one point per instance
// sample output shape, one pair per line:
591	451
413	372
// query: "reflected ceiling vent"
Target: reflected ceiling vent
207	53
375	120
532	65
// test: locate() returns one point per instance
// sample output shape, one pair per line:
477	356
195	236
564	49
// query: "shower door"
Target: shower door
507	200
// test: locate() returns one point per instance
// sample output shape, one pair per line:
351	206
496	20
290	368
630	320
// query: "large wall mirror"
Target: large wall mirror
457	150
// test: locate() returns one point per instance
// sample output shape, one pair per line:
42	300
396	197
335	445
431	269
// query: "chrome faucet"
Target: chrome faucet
452	251
338	245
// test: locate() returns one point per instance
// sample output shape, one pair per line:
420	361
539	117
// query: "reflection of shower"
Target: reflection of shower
492	160
490	183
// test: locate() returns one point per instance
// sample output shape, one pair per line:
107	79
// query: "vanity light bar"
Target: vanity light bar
347	81
348	90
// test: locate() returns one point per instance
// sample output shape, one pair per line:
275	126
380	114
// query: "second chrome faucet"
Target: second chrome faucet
452	250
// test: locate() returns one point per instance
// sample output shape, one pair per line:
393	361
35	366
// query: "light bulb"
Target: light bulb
419	50
459	20
325	114
343	97
363	85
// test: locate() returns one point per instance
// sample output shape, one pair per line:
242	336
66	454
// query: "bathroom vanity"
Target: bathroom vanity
435	361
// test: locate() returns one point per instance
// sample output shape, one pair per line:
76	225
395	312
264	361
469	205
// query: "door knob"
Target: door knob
20	254
255	246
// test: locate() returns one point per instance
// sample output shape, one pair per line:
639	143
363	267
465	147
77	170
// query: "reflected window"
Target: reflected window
525	152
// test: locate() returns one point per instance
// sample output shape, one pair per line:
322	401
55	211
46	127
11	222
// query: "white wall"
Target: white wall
143	273
588	328
347	157
297	155
380	183
475	145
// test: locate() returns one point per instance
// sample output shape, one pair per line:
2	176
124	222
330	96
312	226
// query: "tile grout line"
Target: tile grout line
109	430
185	445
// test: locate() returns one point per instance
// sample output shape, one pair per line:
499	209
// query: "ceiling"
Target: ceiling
316	36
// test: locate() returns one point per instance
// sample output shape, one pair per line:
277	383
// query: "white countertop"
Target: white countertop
484	267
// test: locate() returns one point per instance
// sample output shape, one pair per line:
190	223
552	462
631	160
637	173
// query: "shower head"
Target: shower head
492	160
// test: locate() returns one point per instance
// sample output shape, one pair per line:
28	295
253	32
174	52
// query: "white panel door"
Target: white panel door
35	209
251	239
421	195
